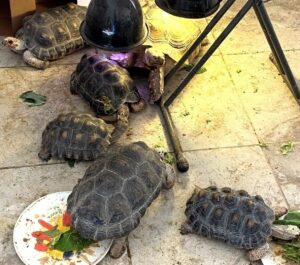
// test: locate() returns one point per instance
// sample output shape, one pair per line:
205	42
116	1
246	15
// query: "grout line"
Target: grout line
33	165
185	151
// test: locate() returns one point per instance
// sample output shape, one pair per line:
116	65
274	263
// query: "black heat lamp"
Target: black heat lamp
114	25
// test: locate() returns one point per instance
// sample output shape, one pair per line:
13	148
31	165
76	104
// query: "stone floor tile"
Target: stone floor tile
241	39
158	238
273	111
208	113
287	171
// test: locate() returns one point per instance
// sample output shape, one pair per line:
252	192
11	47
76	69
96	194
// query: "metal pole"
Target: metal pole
275	46
198	41
170	98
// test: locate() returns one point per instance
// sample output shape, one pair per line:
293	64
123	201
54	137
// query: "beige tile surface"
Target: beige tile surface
287	172
208	113
273	111
248	36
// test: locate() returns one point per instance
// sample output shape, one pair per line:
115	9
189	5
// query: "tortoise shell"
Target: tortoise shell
113	195
75	136
235	217
103	83
54	33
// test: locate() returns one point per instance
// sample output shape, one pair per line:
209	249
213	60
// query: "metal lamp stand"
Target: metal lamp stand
280	61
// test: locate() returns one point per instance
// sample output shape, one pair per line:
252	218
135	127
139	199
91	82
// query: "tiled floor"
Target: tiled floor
221	117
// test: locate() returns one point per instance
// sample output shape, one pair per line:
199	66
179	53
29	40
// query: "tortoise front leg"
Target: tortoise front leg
118	247
169	180
258	253
186	229
30	59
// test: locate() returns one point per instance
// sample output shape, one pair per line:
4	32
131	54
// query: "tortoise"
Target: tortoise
234	217
104	82
146	67
169	33
49	35
78	136
112	197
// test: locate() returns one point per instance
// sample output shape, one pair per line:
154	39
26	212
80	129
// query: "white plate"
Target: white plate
46	208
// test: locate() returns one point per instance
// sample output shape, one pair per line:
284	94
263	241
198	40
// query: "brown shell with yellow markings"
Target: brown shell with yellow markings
235	217
75	136
54	33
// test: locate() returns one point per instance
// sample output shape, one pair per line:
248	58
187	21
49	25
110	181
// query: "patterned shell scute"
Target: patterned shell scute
235	217
54	33
104	84
113	195
75	136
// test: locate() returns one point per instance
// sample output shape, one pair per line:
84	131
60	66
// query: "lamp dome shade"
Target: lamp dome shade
114	25
189	8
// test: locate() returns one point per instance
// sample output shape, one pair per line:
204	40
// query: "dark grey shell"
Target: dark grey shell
113	195
104	84
235	217
75	136
54	33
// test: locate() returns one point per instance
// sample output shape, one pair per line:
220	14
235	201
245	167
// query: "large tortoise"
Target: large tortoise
78	136
49	35
111	198
234	217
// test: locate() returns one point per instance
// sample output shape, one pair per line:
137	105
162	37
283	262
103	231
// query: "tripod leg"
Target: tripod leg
181	162
279	57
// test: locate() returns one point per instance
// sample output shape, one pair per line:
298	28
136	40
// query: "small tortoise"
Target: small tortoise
49	35
111	198
234	217
77	136
104	82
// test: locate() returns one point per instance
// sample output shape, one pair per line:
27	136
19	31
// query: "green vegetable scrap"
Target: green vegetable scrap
292	252
71	241
286	148
169	158
33	99
189	67
71	162
263	144
292	218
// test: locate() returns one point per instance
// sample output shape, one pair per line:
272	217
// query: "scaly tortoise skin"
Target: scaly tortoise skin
116	190
103	83
75	136
235	217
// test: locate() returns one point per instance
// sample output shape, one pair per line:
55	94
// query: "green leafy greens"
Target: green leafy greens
33	99
71	241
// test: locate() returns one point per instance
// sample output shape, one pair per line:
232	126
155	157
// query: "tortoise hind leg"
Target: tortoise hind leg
44	155
118	247
121	123
30	59
74	84
169	178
